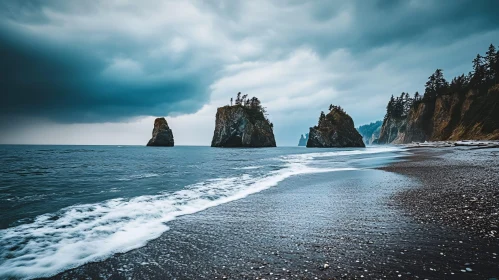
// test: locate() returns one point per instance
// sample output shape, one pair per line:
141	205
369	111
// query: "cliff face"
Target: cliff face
303	140
238	126
335	130
370	132
449	117
161	134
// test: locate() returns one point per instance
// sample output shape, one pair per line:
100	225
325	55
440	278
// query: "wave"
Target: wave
248	167
92	232
138	176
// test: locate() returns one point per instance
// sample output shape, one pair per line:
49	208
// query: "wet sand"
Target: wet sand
341	225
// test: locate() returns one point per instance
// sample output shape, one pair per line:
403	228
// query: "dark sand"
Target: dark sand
369	224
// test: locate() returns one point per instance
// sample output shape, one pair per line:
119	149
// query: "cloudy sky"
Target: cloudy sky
99	72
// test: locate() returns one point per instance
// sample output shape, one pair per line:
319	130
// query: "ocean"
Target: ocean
65	206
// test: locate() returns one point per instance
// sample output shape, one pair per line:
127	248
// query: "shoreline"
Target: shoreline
459	188
339	225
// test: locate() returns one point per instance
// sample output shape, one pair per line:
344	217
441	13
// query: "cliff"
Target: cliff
336	129
467	108
452	116
303	140
162	135
240	126
370	132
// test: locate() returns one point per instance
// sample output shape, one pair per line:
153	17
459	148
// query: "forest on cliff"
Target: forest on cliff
465	107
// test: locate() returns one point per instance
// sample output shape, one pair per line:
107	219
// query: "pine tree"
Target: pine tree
478	72
238	98
322	117
490	64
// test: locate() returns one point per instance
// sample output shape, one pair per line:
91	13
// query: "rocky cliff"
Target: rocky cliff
336	129
162	135
303	140
240	126
453	116
370	132
467	108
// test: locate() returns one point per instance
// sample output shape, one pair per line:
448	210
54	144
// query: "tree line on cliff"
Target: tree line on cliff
467	107
485	74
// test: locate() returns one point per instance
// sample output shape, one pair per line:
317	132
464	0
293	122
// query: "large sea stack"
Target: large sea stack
162	135
243	125
335	129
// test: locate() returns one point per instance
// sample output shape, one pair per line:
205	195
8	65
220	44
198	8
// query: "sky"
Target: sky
99	72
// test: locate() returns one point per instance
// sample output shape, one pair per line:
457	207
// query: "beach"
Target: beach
391	222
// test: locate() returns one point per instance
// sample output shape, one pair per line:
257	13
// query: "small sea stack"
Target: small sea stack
336	129
243	124
303	140
162	135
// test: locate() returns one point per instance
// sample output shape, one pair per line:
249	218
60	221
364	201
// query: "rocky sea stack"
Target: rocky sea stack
335	129
162	135
243	125
303	140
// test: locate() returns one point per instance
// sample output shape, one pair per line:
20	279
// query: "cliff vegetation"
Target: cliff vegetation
465	108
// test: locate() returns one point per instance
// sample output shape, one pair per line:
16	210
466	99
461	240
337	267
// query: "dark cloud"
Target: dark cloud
72	83
110	71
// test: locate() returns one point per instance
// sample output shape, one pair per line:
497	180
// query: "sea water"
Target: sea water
64	206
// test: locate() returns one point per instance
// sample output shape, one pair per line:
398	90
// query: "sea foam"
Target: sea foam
91	232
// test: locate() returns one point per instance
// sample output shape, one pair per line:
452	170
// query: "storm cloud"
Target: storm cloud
72	62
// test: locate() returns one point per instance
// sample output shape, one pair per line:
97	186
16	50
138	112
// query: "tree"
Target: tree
389	109
490	64
496	68
331	107
436	85
416	96
322	118
479	72
238	98
244	102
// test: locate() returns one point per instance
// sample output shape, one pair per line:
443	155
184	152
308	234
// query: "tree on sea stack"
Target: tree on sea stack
243	124
336	129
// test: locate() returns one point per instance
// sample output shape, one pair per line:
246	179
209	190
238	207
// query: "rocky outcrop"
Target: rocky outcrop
303	140
335	129
162	135
240	126
370	132
454	116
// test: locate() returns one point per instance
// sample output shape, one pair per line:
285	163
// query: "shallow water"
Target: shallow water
63	206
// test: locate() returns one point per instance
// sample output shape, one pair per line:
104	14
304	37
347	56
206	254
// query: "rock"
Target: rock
240	126
335	129
453	116
303	140
370	132
162	135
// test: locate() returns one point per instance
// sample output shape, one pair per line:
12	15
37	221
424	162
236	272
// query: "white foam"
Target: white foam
92	232
248	167
138	176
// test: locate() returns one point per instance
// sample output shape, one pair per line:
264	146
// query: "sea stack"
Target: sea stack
162	135
335	129
303	140
243	125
